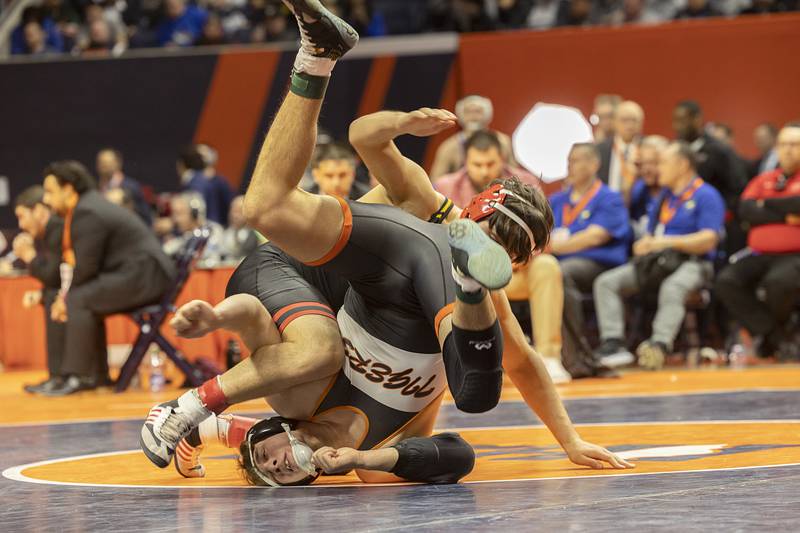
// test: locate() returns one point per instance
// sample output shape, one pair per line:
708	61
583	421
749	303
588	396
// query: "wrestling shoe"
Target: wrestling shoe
323	33
651	355
187	455
477	257
167	424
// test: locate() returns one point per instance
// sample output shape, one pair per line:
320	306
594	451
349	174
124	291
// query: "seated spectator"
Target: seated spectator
105	31
605	107
717	164
188	213
646	189
182	25
771	208
672	260
112	263
197	171
575	13
108	165
53	40
238	240
213	34
618	153
543	14
513	14
270	23
474	114
538	282
232	19
640	12
764	137
590	235
333	169
36	40
39	247
697	9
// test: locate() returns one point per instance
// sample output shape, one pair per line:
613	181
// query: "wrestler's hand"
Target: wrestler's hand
425	122
333	461
31	299
587	454
195	319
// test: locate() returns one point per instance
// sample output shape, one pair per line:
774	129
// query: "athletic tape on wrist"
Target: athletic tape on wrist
212	397
308	86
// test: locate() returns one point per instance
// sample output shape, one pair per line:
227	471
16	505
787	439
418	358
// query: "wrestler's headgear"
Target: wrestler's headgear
268	428
492	199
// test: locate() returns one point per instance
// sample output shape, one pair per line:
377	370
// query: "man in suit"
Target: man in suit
39	247
111	263
618	153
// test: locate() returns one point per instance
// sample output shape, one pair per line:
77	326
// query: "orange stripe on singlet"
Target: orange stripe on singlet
441	315
344	236
288	308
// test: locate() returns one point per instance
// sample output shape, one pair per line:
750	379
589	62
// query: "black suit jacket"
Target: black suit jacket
107	238
605	148
46	265
721	167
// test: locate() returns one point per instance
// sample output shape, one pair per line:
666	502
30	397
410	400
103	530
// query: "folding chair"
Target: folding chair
151	317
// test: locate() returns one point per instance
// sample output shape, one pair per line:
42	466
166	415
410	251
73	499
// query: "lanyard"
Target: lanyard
569	214
669	209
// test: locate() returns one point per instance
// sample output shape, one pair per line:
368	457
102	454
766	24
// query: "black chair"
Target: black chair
151	317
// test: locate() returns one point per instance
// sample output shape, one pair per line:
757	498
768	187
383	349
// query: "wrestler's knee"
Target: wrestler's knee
544	267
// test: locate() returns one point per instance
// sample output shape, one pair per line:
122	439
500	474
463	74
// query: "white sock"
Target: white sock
466	283
213	430
310	64
190	404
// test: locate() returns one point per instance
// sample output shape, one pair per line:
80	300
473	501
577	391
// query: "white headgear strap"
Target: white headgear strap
513	216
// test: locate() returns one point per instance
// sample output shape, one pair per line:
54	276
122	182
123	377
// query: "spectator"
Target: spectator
771	208
697	9
764	7
108	164
182	25
106	32
120	197
39	247
619	152
196	168
213	33
574	13
36	40
543	14
672	260
333	169
99	40
764	137
513	14
646	189
188	213
590	235
114	265
474	114
538	282
717	164
605	106
238	240
723	133
232	20
639	12
270	23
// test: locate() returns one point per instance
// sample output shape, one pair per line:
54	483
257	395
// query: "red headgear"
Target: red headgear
491	200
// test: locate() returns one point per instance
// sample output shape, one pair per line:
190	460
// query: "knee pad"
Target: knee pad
443	458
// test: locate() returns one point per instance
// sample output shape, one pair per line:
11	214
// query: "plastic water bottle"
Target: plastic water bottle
156	365
737	358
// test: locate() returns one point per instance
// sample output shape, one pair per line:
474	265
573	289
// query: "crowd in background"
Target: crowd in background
109	27
645	229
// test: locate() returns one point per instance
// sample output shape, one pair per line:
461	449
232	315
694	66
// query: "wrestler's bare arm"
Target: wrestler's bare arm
527	371
403	182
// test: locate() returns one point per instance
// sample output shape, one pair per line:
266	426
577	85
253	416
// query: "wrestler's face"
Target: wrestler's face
274	456
335	176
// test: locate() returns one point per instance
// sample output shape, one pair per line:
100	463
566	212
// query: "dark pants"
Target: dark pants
56	335
777	275
579	275
140	282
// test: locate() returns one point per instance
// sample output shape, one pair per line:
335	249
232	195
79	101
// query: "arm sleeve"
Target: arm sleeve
89	236
787	205
473	363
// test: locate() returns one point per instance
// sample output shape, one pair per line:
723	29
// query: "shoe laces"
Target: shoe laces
173	425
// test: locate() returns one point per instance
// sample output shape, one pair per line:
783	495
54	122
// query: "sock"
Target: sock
468	290
211	395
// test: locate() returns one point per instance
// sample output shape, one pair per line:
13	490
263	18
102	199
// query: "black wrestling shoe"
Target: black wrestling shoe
477	256
324	34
